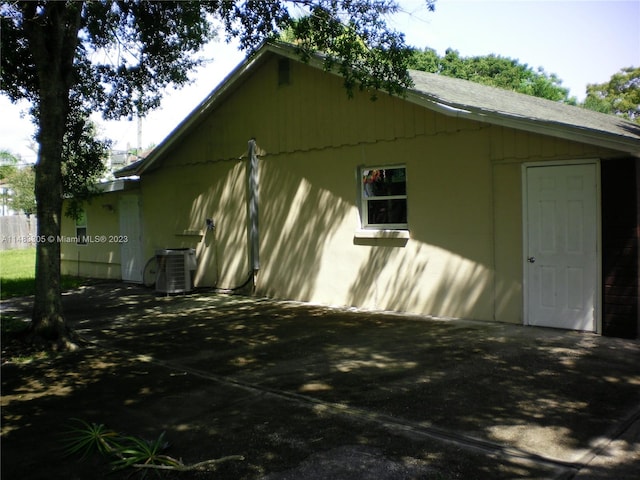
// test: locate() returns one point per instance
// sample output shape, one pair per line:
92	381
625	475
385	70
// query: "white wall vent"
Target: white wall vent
176	269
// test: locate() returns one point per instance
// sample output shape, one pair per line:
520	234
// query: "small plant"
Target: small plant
87	438
137	452
127	451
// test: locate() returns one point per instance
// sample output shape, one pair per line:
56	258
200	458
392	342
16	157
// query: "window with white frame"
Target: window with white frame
383	198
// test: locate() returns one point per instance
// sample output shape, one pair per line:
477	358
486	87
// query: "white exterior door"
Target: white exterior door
561	237
131	235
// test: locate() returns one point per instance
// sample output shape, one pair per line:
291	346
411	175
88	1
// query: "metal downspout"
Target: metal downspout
254	232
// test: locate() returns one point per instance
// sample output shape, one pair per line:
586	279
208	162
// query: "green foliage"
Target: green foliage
82	166
366	59
144	46
86	438
127	451
135	452
131	51
8	163
83	160
124	451
8	166
597	104
23	197
354	40
619	96
492	70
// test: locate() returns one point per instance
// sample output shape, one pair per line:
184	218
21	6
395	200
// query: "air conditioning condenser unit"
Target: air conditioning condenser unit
176	269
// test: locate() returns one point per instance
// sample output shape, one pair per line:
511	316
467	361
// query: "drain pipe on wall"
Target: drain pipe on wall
253	210
253	233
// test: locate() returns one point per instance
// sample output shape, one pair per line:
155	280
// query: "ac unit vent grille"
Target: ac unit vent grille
176	267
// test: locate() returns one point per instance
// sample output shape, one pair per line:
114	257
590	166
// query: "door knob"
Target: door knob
531	259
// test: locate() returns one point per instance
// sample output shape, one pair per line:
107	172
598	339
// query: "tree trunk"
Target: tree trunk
48	320
53	36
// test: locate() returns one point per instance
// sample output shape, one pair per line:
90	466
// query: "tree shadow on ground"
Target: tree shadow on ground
234	375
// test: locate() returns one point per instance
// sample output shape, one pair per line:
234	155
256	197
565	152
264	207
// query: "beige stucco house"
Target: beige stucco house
458	200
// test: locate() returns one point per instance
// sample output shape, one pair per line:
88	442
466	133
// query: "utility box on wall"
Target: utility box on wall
176	269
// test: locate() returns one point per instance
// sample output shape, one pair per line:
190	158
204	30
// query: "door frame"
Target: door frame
140	245
525	236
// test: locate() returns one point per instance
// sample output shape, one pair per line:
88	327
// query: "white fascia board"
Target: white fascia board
115	185
111	186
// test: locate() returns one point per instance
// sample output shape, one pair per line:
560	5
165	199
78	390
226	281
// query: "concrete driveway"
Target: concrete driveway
341	394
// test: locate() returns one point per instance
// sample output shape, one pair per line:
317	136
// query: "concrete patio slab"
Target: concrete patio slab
306	391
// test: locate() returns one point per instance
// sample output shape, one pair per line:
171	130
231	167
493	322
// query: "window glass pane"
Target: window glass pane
81	228
384	182
387	211
81	235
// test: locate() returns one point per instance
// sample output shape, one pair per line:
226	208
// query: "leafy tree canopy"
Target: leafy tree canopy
8	163
492	70
126	52
619	96
83	161
370	57
20	181
22	198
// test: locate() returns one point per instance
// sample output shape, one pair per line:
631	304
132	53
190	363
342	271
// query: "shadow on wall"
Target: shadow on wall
222	258
178	211
308	251
308	216
298	219
419	282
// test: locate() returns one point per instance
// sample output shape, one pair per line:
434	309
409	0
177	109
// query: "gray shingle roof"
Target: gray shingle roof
480	102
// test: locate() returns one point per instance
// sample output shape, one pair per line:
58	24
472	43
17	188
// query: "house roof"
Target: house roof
450	96
463	98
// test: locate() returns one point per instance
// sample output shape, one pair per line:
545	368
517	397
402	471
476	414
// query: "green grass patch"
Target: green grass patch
18	272
16	264
16	287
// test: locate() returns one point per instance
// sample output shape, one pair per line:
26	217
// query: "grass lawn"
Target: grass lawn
18	263
17	273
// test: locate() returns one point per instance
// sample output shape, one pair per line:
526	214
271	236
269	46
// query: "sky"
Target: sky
581	41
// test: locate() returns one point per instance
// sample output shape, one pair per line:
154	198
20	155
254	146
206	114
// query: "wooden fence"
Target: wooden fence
17	231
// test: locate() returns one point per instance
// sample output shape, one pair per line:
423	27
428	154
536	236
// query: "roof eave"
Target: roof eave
573	133
534	125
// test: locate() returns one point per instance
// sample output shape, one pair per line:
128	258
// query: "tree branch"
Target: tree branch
200	466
